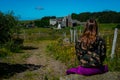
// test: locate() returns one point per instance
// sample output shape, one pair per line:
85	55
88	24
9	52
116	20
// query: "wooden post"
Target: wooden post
64	34
24	34
114	43
74	35
71	35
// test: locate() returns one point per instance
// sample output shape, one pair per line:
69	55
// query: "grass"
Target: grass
110	26
36	34
65	54
4	52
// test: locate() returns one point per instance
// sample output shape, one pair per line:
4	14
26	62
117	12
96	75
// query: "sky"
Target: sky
36	9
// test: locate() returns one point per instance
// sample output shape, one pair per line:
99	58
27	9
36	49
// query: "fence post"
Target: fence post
71	34
114	43
74	35
24	34
64	34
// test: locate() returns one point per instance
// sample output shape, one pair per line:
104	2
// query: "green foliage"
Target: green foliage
4	52
84	16
37	23
44	33
108	34
63	53
107	27
44	22
102	17
14	45
117	26
8	27
113	64
109	17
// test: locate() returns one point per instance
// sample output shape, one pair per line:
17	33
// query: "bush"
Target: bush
7	31
64	53
4	52
118	26
14	45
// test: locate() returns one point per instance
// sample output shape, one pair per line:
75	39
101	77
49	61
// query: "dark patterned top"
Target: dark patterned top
92	56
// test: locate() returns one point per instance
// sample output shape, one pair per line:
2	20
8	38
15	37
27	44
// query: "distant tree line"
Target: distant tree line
102	17
44	22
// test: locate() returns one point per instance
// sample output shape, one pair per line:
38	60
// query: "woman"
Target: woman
90	51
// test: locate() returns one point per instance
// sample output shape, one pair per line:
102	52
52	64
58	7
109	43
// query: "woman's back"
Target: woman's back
93	55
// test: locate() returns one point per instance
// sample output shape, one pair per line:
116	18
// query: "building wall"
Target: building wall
66	21
53	21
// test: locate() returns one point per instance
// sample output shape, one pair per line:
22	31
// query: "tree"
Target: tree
8	26
107	16
75	16
44	22
37	23
84	16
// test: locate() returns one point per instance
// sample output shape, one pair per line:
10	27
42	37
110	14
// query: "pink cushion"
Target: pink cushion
87	71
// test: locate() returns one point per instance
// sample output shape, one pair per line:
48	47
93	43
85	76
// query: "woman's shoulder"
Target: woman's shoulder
79	39
100	39
78	42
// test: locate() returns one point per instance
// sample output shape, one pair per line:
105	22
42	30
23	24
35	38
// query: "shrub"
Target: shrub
4	52
64	53
14	45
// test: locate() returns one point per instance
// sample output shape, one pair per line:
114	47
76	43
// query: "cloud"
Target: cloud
39	8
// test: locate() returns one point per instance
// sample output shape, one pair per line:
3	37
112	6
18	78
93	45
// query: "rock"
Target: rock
105	76
66	41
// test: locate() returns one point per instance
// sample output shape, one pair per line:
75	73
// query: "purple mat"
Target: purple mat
87	71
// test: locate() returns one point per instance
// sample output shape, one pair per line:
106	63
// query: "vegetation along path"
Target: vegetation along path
37	64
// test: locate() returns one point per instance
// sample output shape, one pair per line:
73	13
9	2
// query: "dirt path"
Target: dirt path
40	57
51	69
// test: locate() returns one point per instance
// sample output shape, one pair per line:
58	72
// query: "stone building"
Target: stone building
66	21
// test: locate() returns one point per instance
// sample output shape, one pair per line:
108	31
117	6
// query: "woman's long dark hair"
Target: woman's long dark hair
89	34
